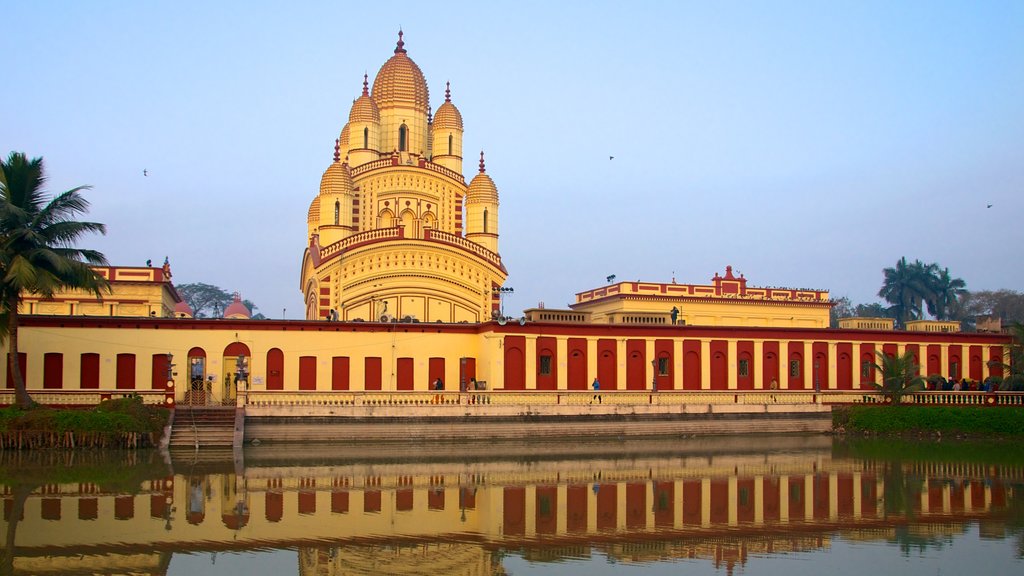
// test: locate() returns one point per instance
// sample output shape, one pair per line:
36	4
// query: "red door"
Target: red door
515	363
636	365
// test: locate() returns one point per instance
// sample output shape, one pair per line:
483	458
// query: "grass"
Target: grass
960	420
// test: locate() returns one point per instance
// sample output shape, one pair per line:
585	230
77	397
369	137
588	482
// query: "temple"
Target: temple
395	232
401	281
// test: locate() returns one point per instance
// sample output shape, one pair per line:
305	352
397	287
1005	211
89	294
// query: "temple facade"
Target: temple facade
395	232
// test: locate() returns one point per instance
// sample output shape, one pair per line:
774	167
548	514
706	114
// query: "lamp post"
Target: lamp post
501	292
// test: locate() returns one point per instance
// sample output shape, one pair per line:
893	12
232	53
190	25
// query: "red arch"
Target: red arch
636	365
770	354
515	363
691	365
275	369
577	368
719	365
607	364
235	349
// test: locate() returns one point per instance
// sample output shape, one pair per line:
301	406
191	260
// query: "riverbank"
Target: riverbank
950	421
119	423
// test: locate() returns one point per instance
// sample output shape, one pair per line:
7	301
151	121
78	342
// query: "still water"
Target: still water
791	505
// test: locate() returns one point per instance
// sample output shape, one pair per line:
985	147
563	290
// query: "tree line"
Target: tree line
910	289
208	301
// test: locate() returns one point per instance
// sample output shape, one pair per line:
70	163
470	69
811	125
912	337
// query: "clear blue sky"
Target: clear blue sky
807	144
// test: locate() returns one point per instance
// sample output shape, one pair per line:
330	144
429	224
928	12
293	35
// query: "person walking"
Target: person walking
596	385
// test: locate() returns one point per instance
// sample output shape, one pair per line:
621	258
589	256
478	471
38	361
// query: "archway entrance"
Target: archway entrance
235	370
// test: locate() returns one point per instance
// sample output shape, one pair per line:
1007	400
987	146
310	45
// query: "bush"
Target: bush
111	418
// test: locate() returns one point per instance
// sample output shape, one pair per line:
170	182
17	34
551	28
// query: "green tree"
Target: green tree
206	300
945	294
873	310
1007	305
841	308
37	247
209	301
906	287
900	375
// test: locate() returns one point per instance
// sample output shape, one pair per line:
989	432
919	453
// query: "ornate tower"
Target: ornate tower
385	233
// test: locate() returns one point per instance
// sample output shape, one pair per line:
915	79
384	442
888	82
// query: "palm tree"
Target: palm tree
900	375
946	293
37	253
906	287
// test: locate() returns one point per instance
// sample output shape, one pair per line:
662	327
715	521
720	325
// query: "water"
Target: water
792	505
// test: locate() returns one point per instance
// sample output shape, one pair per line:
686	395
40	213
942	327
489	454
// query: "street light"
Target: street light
500	292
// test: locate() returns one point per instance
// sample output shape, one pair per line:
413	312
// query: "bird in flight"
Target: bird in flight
989	206
145	172
611	157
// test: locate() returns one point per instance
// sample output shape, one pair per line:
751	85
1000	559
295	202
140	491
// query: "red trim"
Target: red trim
531	328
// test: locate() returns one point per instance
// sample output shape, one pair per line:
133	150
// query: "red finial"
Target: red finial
337	148
400	48
365	85
447	91
481	161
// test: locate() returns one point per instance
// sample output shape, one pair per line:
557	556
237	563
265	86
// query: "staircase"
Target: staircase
205	427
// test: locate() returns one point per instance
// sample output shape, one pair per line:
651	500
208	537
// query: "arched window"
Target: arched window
485	220
402	137
450	144
337	211
366	137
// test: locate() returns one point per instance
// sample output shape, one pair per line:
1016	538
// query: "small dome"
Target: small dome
336	179
448	116
183	310
482	189
343	139
314	211
237	310
400	82
364	109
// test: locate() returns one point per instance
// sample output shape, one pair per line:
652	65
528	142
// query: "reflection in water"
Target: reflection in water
446	509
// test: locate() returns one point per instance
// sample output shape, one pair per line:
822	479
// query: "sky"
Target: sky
807	144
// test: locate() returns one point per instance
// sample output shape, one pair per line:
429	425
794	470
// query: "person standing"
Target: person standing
596	385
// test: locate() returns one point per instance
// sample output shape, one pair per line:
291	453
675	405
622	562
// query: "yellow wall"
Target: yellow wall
139	292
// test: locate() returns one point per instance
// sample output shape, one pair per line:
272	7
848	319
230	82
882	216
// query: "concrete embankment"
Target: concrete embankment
332	424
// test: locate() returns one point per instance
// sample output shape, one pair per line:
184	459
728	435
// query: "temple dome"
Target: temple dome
448	116
481	188
336	179
183	310
314	211
364	109
343	139
237	310
400	82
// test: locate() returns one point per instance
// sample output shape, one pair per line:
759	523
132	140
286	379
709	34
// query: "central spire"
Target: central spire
399	49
